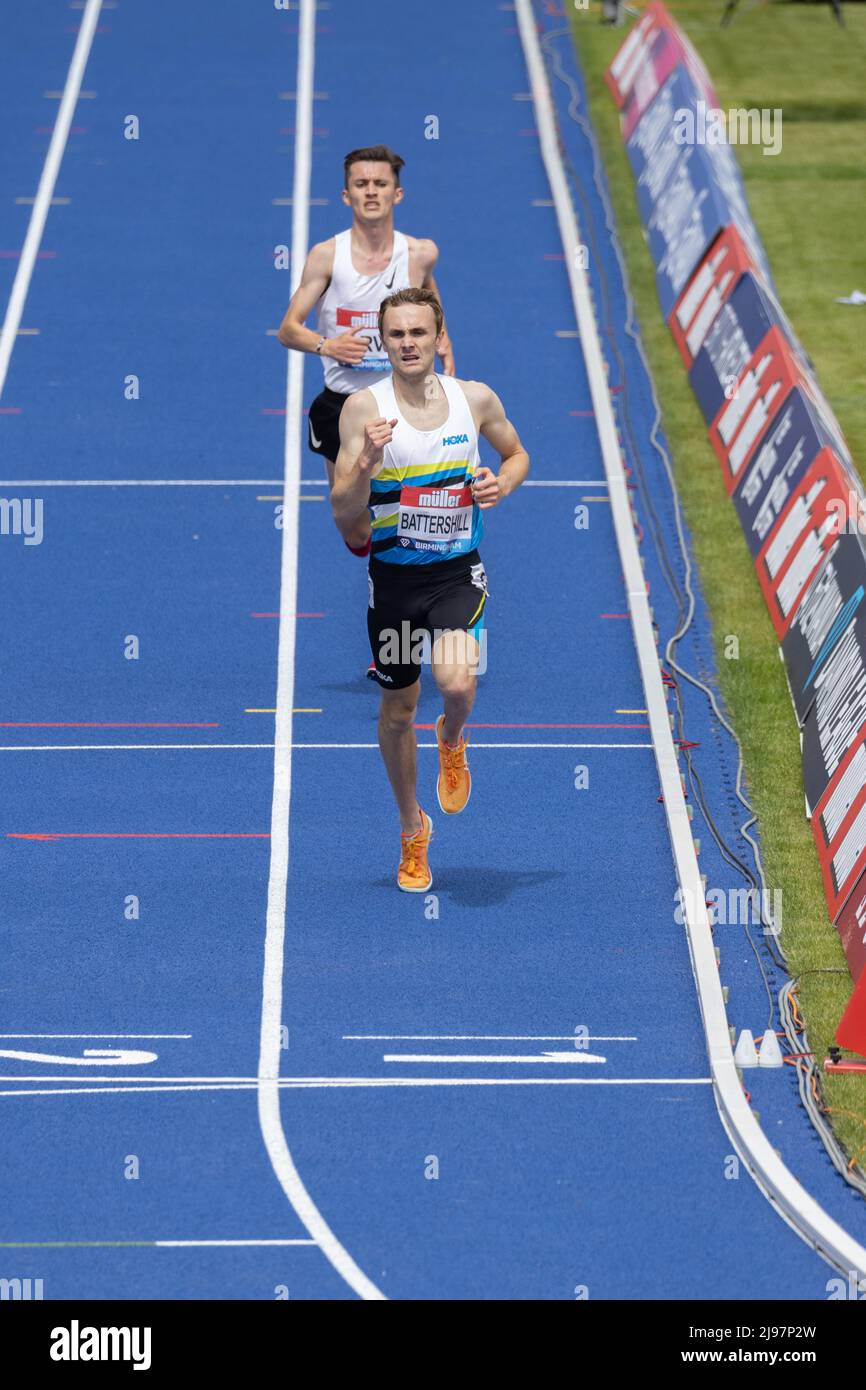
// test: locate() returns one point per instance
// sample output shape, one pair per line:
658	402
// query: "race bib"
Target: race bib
366	324
435	518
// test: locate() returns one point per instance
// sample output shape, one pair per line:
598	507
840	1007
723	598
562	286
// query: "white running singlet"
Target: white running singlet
352	301
421	503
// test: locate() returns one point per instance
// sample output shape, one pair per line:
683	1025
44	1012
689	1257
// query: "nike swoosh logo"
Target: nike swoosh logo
317	443
389	283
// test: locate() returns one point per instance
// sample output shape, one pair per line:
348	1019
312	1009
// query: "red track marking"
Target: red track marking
80	724
613	615
544	726
138	835
10	410
273	410
554	256
581	412
528	131
73	129
100	29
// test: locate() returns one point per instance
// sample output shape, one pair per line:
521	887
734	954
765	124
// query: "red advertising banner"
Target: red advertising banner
817	511
708	289
851	1032
753	399
655	46
839	827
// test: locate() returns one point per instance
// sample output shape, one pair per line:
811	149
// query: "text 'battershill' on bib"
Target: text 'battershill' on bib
432	517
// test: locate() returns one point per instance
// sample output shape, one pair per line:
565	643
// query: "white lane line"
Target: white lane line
96	1035
478	1037
270	1118
45	191
179	1244
149	482
146	1077
559	1057
148	1244
337	1083
778	1184
476	746
188	747
238	482
119	747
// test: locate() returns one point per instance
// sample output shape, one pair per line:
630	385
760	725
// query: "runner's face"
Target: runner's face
410	340
371	191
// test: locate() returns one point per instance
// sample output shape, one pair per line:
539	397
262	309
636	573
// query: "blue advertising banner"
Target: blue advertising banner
825	646
834	737
737	329
798	432
686	192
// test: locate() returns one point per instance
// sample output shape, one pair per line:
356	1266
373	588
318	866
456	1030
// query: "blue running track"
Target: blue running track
136	797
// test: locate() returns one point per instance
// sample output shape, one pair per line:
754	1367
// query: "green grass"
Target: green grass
809	204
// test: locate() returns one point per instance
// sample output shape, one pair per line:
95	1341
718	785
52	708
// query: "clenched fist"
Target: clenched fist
488	488
377	433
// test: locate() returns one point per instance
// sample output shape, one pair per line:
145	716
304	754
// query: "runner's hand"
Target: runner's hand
348	348
487	488
377	433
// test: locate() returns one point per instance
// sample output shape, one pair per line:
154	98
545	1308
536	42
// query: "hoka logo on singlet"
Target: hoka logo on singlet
455	439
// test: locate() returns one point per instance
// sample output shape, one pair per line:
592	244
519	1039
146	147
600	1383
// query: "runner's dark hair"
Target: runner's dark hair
373	154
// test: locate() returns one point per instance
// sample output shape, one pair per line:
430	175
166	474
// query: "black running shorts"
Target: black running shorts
324	423
408	601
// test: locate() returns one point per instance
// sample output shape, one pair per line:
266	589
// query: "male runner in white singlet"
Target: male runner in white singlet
409	458
349	275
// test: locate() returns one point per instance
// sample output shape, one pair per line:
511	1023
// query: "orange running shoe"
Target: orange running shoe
414	875
455	781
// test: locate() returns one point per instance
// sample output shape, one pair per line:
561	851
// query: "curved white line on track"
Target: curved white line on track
270	1118
91	1057
45	192
778	1184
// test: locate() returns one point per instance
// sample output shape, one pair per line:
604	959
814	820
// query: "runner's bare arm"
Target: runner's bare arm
363	436
425	254
316	277
491	420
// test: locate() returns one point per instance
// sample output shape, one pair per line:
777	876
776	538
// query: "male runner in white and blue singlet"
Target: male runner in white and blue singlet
409	460
348	276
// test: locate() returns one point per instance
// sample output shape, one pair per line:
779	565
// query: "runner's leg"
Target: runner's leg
398	746
454	660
